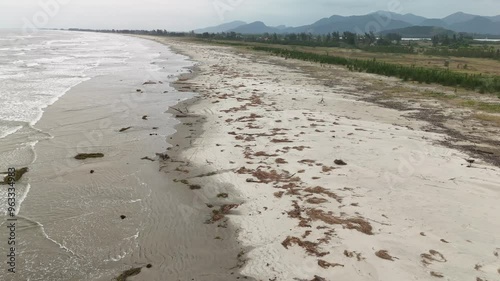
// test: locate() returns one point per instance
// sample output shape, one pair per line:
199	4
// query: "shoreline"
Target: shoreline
375	217
191	127
117	214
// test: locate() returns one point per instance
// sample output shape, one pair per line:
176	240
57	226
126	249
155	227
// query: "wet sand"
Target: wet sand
324	186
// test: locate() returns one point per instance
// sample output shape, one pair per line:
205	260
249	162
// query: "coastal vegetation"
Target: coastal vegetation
482	83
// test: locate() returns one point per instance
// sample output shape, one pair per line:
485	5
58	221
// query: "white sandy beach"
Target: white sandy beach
402	208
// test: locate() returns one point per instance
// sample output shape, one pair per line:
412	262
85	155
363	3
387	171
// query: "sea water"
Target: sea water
60	231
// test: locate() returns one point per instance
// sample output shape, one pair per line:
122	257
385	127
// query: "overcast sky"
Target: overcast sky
191	14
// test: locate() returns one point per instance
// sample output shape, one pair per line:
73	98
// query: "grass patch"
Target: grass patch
483	106
83	156
438	95
445	77
488	118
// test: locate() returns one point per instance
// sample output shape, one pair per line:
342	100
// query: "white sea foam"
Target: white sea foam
20	199
47	66
8	130
54	241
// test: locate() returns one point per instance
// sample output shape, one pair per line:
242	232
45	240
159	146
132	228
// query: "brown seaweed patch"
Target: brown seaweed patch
353	254
310	247
384	254
326	169
18	174
147	158
236	109
273	176
280	161
250	118
340	162
83	156
433	255
307	233
300	148
262	153
128	273
316	200
252	126
280	140
322	190
437	274
243	170
325	264
358	224
219	214
222	195
279	194
296	213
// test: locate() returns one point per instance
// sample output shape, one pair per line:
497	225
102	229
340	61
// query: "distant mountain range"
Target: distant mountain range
221	28
379	21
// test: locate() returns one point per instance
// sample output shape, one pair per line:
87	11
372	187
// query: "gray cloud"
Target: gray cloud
190	14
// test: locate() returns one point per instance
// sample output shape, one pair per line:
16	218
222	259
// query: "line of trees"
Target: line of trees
487	52
155	32
332	39
420	74
444	45
393	49
454	41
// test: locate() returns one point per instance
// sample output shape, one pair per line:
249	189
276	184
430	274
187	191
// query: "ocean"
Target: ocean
64	93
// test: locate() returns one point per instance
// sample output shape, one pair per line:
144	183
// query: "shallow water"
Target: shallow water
65	93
